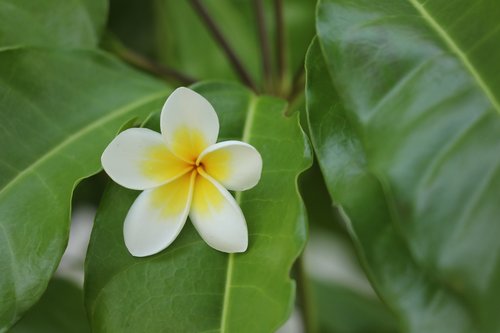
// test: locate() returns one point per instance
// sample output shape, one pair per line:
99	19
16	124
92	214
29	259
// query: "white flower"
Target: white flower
183	171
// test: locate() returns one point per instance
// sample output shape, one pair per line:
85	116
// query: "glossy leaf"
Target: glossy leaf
53	23
59	310
59	111
410	151
189	287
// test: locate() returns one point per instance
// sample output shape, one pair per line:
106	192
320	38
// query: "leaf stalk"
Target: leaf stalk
113	45
265	50
280	41
216	32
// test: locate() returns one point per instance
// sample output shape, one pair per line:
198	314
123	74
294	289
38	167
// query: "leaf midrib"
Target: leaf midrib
229	273
74	137
460	54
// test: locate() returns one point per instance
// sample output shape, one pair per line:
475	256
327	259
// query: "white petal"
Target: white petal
217	216
189	123
235	164
157	216
139	159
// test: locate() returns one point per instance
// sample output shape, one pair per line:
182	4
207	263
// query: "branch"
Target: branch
224	44
264	42
280	39
142	62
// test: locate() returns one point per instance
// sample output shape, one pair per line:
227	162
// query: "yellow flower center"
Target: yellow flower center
188	143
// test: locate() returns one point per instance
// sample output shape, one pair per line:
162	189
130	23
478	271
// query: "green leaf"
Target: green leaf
59	310
189	287
342	310
320	211
54	23
59	111
410	151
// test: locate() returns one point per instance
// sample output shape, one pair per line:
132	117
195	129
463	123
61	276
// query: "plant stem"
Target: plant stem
155	68
142	62
224	44
280	40
304	297
264	43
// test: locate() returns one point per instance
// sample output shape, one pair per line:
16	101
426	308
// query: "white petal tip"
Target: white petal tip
140	251
231	248
139	254
240	250
182	89
185	93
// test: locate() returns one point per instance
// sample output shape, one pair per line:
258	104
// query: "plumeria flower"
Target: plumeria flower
183	171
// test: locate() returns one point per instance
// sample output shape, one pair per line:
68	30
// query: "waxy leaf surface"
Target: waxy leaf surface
59	310
52	23
59	111
410	151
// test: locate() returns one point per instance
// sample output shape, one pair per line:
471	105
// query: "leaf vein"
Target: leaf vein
70	139
454	47
246	136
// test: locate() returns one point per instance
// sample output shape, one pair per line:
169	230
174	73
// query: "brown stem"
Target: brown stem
264	42
142	62
280	39
224	44
155	68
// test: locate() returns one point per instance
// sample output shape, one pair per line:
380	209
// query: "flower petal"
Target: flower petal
217	216
157	216
189	123
234	164
139	159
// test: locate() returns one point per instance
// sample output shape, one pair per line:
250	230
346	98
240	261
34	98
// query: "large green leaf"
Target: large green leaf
189	287
411	152
59	110
59	310
69	23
